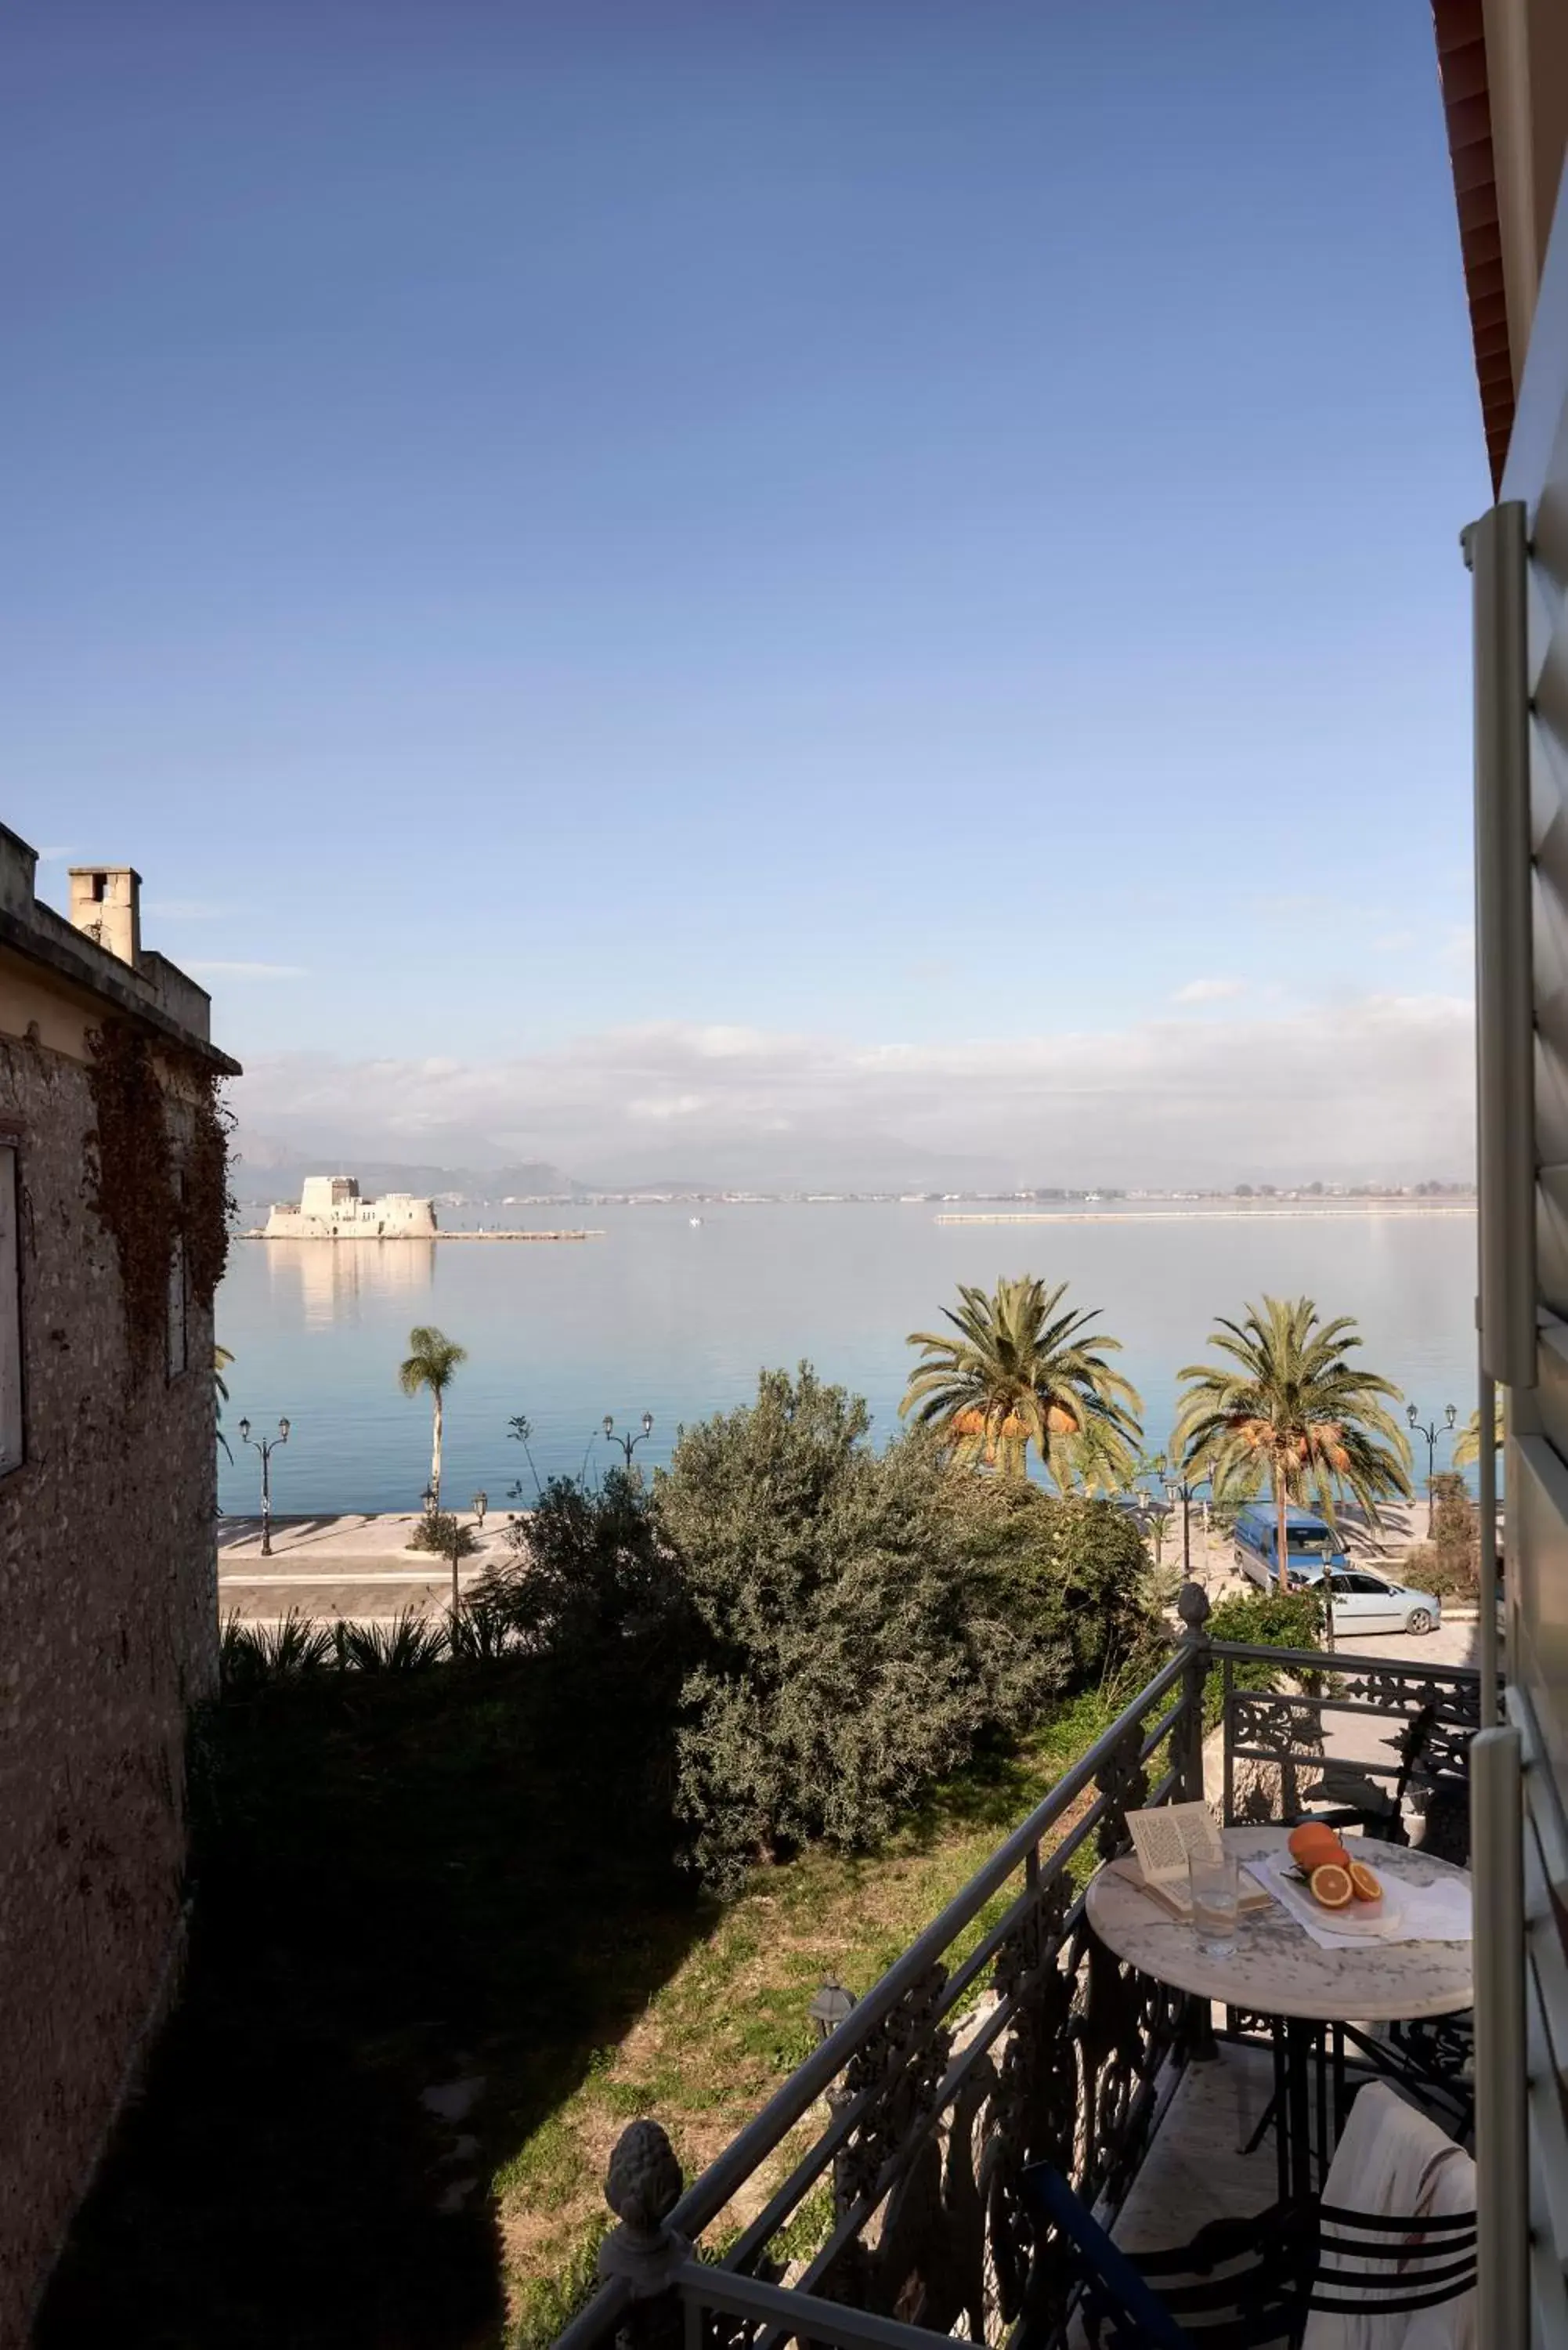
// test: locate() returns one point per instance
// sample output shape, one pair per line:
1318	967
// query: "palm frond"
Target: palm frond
1468	1443
433	1358
1023	1372
1295	1411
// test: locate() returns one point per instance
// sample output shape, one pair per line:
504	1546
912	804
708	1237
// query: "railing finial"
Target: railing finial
642	2187
1192	1606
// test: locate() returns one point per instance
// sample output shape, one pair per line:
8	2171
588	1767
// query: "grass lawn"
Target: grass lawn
715	2040
441	1955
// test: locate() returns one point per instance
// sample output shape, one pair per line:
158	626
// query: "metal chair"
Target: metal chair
1243	2284
1358	1802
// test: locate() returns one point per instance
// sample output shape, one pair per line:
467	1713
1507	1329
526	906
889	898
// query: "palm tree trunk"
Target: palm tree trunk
1281	1530
435	1454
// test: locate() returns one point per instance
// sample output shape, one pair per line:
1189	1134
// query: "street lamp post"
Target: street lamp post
481	1503
628	1444
1182	1489
266	1447
831	2007
1431	1432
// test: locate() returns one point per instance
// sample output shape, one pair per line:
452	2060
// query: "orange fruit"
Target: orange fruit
1331	1885
1313	1844
1363	1884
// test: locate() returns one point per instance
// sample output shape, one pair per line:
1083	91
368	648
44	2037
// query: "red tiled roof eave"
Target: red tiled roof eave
1466	110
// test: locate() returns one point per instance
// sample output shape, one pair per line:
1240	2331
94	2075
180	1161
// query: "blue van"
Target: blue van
1310	1546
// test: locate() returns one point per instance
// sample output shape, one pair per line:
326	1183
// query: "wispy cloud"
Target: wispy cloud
248	969
1209	990
185	909
1341	1090
55	856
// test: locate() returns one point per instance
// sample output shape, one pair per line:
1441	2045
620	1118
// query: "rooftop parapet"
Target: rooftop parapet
99	947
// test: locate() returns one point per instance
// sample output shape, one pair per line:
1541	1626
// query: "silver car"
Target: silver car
1365	1602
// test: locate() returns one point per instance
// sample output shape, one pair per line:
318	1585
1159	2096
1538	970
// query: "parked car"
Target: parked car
1365	1602
1311	1544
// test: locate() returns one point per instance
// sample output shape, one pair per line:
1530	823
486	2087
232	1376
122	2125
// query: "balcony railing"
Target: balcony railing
875	2200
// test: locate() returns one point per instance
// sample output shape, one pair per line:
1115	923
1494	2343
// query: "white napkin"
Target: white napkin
1438	1912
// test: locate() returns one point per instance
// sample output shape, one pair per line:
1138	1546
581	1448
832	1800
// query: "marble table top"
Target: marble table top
1276	1969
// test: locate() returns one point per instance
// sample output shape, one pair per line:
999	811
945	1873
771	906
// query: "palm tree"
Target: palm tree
1467	1444
221	1360
1102	1460
1289	1406
432	1360
1020	1373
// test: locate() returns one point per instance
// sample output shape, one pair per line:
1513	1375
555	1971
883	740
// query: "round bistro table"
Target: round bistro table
1278	1972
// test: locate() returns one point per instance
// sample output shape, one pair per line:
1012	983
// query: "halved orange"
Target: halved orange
1363	1884
1332	1886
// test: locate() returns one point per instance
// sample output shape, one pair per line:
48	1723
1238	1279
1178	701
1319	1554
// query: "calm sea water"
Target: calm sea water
663	1317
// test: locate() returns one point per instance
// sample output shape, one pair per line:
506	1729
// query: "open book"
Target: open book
1164	1839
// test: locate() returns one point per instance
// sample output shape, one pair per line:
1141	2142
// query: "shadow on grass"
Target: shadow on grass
406	1882
999	1786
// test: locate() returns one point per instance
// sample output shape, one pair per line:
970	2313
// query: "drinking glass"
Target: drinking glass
1215	1896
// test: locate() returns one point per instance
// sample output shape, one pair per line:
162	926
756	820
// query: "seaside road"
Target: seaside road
356	1565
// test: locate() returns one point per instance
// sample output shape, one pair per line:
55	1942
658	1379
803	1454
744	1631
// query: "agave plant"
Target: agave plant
251	1655
406	1643
478	1632
1023	1373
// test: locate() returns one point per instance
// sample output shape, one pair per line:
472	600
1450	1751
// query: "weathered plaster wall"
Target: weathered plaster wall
108	1630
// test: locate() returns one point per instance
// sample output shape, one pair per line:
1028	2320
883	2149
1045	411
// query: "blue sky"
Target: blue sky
892	523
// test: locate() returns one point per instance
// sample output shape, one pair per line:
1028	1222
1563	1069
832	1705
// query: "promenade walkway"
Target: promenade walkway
355	1564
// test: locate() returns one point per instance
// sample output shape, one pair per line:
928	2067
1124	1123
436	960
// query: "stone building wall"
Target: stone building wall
107	1633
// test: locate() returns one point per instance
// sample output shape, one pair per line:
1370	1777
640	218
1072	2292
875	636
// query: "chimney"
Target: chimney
106	905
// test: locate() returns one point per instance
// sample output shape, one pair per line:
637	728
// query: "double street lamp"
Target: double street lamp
266	1445
1182	1489
628	1444
1431	1432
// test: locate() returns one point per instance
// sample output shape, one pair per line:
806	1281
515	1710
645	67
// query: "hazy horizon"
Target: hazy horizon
1354	1093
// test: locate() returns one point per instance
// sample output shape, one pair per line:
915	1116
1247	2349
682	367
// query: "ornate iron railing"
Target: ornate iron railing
874	2203
1276	1753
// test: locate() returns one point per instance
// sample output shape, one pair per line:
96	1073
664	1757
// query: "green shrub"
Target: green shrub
1270	1619
587	1569
1449	1563
440	1532
860	1622
1264	1619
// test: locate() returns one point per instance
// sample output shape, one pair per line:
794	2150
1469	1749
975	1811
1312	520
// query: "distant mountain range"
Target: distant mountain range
268	1170
272	1177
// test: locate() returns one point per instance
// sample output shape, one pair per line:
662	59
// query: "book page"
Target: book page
1163	1839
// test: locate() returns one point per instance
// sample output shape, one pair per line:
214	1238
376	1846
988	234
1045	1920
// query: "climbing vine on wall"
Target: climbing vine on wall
209	1205
159	1169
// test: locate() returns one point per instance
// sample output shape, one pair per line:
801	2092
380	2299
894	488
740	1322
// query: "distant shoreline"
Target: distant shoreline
401	1240
1237	1211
